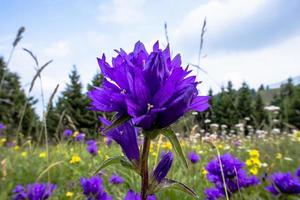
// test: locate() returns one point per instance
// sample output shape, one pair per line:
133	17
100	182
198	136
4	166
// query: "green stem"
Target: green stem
144	168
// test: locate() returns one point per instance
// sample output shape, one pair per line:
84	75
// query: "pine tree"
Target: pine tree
259	112
13	99
225	110
294	112
74	103
244	101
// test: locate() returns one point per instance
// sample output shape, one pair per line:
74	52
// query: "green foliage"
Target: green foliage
13	100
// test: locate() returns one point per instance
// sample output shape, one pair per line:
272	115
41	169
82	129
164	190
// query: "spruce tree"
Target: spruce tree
74	103
244	101
259	112
13	99
225	110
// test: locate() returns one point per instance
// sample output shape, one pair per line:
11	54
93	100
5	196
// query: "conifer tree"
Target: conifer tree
74	103
245	101
13	99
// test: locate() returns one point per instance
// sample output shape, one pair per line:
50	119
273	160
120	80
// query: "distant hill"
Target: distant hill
296	81
274	88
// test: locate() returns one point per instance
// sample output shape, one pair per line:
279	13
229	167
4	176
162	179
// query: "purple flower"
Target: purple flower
80	137
193	157
92	147
35	191
163	167
93	188
108	141
131	195
2	126
298	172
214	193
116	179
162	154
126	136
68	133
234	175
283	183
153	89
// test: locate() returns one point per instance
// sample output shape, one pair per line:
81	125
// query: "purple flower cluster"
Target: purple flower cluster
235	177
284	183
80	137
92	147
35	191
116	179
163	167
193	157
153	89
93	188
126	136
68	133
131	195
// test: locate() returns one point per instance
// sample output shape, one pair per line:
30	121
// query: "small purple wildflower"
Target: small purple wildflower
153	89
2	127
163	167
116	179
298	172
126	136
80	137
234	175
283	183
214	193
162	154
131	195
35	191
68	133
108	141
92	147
93	188
193	157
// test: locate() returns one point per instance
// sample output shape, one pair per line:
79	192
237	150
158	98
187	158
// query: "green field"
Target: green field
28	163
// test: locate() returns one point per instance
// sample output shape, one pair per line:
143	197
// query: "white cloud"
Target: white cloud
267	65
121	12
58	49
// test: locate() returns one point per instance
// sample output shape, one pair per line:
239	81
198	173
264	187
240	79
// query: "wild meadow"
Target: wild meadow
143	131
69	161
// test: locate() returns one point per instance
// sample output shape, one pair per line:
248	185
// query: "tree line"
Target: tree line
230	106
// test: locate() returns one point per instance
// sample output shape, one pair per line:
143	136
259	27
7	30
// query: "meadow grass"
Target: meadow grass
28	164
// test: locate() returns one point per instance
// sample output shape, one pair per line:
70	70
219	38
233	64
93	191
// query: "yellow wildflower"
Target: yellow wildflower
167	145
3	140
151	148
296	136
253	162
99	152
254	153
279	156
42	155
204	172
220	146
75	133
24	154
75	159
69	194
253	171
106	157
17	148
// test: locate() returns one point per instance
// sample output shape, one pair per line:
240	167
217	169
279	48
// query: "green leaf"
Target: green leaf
116	123
172	184
108	162
176	144
117	160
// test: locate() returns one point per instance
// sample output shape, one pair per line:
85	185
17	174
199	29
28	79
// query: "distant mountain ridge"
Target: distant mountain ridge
274	89
296	81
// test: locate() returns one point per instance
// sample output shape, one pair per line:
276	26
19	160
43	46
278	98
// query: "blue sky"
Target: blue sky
257	41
